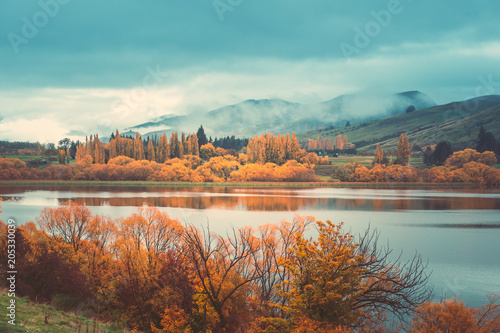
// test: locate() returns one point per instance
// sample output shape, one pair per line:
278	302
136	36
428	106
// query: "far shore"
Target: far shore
238	184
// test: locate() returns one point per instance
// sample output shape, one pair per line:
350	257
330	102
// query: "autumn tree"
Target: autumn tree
192	144
342	282
460	158
218	169
277	242
80	153
151	151
138	148
61	156
70	222
320	144
120	144
89	143
175	146
99	152
403	153
146	239
163	149
380	157
339	142
129	148
454	316
48	269
224	269
183	147
207	151
112	149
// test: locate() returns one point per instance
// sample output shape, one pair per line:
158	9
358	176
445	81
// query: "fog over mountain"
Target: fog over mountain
253	117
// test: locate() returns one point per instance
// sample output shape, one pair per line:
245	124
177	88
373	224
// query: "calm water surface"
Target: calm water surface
456	230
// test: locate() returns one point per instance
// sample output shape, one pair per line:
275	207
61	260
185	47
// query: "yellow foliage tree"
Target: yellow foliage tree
403	153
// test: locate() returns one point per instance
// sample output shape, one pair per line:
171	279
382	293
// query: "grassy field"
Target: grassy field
368	160
32	317
26	159
342	160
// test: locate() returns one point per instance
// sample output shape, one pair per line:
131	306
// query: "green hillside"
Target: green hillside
457	122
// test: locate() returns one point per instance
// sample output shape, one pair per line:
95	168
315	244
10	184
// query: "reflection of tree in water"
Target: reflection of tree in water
272	203
251	199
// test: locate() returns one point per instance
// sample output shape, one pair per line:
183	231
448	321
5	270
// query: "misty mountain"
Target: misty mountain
252	117
457	122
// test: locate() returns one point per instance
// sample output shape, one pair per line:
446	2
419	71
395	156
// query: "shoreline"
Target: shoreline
240	184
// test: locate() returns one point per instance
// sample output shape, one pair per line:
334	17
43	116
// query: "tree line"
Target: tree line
328	144
466	166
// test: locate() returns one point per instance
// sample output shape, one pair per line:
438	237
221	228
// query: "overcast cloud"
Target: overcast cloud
74	67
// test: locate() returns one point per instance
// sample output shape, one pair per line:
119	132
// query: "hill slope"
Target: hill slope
457	122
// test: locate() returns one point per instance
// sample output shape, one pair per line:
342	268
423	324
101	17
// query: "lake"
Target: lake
456	230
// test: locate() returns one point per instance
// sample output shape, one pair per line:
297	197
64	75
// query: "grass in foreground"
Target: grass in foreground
33	317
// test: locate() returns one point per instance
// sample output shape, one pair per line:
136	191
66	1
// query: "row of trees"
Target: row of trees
402	153
328	144
438	154
229	142
149	272
190	169
138	149
467	166
268	148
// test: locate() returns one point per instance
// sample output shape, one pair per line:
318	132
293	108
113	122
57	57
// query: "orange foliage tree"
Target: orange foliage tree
454	316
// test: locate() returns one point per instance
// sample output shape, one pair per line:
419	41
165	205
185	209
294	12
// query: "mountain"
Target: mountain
252	117
457	122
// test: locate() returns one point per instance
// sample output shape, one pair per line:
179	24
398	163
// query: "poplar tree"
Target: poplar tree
295	150
339	143
113	151
80	153
403	153
129	149
99	151
380	156
151	151
138	148
162	151
183	147
175	150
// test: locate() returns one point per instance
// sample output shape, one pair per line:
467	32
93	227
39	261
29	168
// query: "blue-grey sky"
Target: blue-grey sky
75	67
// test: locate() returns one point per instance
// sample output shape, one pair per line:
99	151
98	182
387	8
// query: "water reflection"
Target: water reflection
255	199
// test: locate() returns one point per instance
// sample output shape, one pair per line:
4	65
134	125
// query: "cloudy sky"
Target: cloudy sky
75	67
